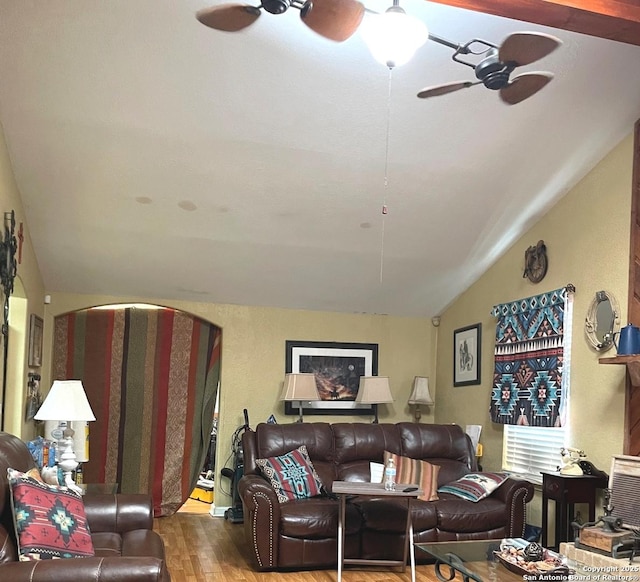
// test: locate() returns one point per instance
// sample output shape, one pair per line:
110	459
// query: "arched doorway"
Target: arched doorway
151	374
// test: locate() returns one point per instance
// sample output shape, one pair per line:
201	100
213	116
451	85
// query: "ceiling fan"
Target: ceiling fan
334	19
498	62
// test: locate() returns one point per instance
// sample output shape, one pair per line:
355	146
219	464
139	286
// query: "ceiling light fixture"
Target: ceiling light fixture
393	37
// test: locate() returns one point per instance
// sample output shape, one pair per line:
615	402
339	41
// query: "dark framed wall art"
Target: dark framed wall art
338	367
466	355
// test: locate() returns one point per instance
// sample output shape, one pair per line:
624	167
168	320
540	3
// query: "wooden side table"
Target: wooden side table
344	488
566	491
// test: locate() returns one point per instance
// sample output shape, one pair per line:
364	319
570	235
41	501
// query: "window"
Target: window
527	450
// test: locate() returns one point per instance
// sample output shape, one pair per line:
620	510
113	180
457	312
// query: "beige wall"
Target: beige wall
253	352
587	234
587	237
27	298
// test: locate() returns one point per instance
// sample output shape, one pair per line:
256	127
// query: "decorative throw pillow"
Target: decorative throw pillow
292	475
50	521
418	472
475	486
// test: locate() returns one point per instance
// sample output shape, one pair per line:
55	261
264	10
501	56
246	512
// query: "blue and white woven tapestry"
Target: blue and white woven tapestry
531	375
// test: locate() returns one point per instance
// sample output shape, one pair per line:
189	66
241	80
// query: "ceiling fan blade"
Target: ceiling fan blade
523	48
334	19
444	89
524	86
228	17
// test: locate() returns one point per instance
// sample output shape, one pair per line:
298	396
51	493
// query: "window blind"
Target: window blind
527	450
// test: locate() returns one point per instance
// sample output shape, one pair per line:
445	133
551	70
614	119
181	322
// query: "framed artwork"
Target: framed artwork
466	355
338	367
36	325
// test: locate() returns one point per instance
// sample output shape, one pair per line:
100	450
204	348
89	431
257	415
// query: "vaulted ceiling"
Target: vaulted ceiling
162	159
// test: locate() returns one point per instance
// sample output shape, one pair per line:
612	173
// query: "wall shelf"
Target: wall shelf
632	363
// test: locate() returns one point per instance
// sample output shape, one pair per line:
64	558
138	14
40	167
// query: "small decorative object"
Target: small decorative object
466	355
549	565
533	552
602	322
33	395
608	507
571	458
36	325
535	262
50	475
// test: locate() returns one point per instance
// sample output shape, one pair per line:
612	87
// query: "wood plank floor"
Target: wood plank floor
201	548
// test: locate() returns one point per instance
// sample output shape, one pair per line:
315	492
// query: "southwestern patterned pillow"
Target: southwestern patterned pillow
415	471
292	475
475	486
50	521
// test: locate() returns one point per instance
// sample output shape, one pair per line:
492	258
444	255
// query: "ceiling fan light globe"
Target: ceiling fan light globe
393	37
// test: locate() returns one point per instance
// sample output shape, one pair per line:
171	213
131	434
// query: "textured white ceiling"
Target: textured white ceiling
159	158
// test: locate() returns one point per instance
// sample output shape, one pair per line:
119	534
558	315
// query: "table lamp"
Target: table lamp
420	395
299	387
374	390
65	403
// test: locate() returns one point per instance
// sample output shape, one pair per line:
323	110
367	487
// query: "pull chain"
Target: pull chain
386	177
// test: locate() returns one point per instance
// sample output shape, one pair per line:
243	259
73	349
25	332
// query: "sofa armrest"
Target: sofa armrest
118	513
261	519
515	493
121	569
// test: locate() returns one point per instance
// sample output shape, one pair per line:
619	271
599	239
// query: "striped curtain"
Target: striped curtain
532	360
151	377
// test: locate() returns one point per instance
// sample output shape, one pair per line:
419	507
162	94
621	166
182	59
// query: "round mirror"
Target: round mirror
603	321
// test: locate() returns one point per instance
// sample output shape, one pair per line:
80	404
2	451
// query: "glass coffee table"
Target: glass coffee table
476	560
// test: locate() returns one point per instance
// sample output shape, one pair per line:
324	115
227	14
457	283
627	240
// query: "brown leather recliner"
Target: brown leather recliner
302	534
125	544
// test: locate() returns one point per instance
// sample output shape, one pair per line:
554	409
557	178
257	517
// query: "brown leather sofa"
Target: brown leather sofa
126	547
302	534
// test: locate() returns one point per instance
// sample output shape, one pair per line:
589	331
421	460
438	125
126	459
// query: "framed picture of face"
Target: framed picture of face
337	367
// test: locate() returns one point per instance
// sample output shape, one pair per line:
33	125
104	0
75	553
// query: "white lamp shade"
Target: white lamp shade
299	387
393	37
420	393
374	390
66	401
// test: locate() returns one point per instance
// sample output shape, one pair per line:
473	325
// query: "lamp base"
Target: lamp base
70	484
68	462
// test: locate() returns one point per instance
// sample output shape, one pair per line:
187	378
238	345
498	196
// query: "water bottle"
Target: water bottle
390	475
